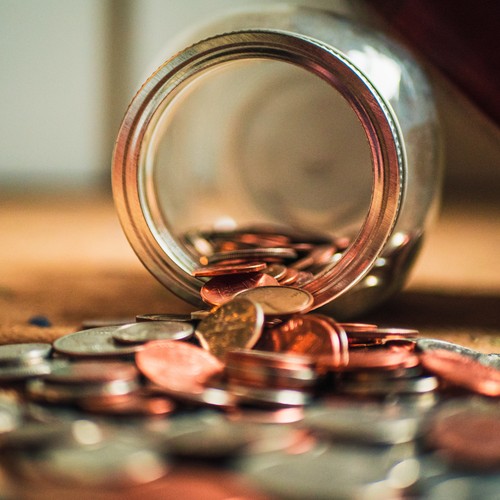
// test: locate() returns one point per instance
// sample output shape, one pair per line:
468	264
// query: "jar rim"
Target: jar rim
160	251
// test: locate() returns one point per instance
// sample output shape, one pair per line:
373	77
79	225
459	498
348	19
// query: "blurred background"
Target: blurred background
69	70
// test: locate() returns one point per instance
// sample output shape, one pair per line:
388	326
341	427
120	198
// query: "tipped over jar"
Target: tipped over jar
289	129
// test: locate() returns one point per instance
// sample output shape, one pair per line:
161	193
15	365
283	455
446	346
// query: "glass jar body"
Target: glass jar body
295	118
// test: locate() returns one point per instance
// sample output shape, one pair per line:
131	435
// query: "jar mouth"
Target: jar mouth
151	235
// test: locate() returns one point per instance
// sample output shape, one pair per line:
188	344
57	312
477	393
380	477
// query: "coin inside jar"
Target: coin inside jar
221	289
147	331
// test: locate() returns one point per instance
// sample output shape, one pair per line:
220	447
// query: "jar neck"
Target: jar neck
157	245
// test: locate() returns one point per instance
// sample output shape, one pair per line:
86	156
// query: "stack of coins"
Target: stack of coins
22	361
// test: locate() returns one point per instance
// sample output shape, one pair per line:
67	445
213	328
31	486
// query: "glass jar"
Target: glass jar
289	118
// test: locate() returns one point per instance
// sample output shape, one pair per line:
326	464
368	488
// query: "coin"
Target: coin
269	397
153	330
222	270
380	358
129	405
22	354
222	289
96	342
462	371
277	271
416	385
431	344
251	253
92	372
237	323
302	334
177	366
279	300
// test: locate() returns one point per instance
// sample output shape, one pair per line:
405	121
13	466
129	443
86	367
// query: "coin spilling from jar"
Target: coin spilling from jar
287	403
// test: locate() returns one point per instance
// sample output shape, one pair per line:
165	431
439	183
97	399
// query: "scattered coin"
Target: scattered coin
146	331
236	324
177	366
222	289
94	342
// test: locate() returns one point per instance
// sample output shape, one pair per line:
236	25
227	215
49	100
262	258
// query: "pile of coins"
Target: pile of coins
256	397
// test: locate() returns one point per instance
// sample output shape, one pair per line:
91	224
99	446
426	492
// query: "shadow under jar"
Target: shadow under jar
286	121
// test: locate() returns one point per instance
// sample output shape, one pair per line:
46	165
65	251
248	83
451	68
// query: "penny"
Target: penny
379	335
24	372
380	358
462	371
279	300
222	270
153	330
290	277
96	342
342	336
318	256
303	334
177	366
237	323
268	369
277	271
222	289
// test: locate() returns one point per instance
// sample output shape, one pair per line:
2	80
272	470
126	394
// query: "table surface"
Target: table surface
65	258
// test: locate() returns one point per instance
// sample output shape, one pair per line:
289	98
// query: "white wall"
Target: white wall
68	69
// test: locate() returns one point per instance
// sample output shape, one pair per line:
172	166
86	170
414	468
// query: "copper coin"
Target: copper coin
279	300
318	256
237	323
462	371
379	335
222	269
277	271
290	276
302	334
342	336
358	327
177	366
221	289
380	358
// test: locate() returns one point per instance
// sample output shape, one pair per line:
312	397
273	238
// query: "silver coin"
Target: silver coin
279	300
93	343
18	354
42	390
370	423
492	360
17	373
431	344
147	331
